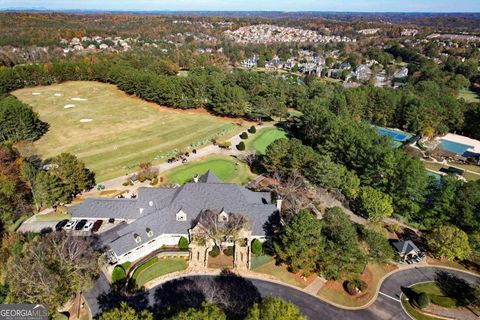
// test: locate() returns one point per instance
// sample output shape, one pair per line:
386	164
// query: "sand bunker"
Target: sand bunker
68	106
79	99
36	93
86	120
57	94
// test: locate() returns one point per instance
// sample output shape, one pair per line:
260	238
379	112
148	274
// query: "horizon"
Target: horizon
337	6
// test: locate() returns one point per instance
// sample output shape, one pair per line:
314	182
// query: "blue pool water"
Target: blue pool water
395	135
455	147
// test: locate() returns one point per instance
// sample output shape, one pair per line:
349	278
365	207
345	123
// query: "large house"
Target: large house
161	216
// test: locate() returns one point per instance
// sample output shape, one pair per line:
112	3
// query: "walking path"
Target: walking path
315	286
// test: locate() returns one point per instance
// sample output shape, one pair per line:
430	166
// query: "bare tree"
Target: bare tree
218	228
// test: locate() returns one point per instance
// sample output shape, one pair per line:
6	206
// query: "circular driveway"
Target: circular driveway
236	290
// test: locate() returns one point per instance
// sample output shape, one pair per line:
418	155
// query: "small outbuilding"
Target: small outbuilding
406	249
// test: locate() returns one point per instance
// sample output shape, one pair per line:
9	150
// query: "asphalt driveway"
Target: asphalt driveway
387	306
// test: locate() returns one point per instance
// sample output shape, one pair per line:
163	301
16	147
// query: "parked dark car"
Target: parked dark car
97	225
80	224
59	226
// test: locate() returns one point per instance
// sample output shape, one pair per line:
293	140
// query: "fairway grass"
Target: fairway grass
264	137
224	167
124	130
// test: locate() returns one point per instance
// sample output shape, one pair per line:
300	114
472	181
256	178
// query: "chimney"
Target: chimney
195	178
150	203
279	203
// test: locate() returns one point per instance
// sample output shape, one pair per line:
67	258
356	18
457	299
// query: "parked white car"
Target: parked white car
88	226
70	224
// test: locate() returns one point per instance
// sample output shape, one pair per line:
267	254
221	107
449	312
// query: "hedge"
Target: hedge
215	252
228	251
423	300
252	129
257	247
241	146
183	243
118	274
244	135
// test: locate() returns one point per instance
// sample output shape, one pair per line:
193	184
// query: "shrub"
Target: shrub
118	274
215	252
355	286
241	146
183	243
154	182
423	300
244	135
142	178
127	183
252	129
228	251
257	247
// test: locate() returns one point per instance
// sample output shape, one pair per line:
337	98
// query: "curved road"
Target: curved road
386	306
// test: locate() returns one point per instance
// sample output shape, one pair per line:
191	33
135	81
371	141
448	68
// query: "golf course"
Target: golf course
264	137
226	168
113	132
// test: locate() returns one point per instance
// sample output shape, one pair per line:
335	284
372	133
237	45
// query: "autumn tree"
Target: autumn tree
57	266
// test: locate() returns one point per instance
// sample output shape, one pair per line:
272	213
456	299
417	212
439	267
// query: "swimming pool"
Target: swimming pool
395	135
455	147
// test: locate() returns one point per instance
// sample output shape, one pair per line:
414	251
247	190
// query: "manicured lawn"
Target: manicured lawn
413	312
469	95
52	216
333	290
281	273
258	261
263	138
224	167
159	267
468	175
124	130
435	294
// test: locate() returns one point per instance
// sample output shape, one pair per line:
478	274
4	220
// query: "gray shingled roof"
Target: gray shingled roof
404	247
161	205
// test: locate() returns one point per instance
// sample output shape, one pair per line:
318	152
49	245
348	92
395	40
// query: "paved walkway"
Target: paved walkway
315	286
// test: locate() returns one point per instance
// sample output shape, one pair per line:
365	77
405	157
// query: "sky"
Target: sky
252	5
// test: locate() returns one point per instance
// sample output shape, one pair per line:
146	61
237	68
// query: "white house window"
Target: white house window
149	232
137	238
181	216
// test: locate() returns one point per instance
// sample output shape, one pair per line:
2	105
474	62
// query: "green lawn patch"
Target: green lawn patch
52	216
258	261
156	267
280	272
435	294
224	167
413	312
264	137
469	95
124	130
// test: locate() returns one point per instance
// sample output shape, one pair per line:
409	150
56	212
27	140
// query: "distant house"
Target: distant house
363	72
406	249
401	73
251	62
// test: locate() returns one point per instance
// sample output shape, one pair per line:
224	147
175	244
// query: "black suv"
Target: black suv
80	224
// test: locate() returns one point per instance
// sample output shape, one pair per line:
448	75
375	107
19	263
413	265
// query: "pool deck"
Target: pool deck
463	140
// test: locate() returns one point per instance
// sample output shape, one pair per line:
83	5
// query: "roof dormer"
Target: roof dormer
149	232
140	210
223	216
181	216
137	238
